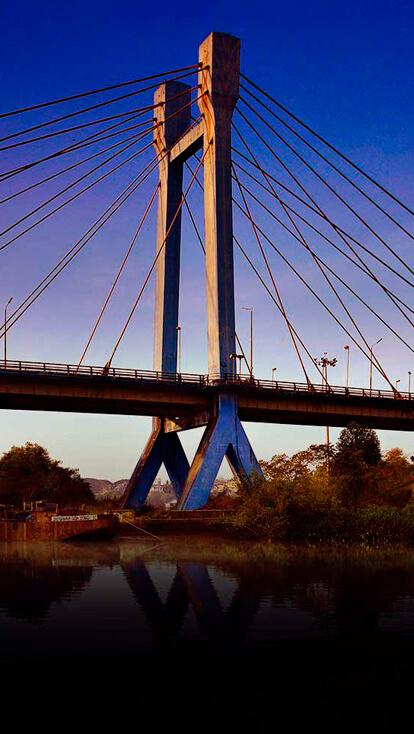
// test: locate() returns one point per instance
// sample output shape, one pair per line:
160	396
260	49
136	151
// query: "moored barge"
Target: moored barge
43	521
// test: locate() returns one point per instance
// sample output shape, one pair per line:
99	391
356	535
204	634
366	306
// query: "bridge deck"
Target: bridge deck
90	389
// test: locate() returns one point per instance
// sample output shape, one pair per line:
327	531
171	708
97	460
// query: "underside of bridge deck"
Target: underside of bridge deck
190	405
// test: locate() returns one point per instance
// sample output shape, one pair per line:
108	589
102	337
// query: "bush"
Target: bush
284	511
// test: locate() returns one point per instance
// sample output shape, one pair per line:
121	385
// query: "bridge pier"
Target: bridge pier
224	436
218	80
161	448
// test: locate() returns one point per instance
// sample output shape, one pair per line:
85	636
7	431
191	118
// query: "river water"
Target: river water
220	634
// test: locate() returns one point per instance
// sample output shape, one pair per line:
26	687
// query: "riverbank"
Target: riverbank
371	526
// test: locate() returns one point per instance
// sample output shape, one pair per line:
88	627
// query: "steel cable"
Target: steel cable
86	188
82	242
325	183
315	211
118	275
160	250
306	284
89	140
298	183
332	147
193	67
270	273
331	164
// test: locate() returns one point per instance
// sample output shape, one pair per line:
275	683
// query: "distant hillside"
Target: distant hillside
161	493
103	489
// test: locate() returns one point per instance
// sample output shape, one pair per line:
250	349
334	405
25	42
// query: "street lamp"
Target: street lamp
5	330
409	382
325	362
396	384
250	309
371	350
273	373
178	330
346	347
233	356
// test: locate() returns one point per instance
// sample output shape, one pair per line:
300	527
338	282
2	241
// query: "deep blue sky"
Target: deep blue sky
347	69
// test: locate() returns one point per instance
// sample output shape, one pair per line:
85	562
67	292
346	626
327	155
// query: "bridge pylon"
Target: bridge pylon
224	435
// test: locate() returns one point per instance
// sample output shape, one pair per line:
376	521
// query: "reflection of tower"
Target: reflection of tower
192	586
166	619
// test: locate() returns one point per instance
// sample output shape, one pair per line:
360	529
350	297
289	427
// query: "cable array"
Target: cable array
331	225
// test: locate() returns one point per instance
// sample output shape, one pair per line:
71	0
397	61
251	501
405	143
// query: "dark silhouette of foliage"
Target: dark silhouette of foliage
358	443
364	498
29	473
357	450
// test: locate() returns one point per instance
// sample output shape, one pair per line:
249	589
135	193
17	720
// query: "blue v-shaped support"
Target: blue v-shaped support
161	448
224	436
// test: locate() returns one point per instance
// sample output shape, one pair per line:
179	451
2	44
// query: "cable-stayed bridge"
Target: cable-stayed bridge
258	169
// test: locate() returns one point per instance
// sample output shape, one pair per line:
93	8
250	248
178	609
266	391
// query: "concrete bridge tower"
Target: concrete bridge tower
218	79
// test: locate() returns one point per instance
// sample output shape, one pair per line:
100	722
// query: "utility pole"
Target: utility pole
233	361
178	328
250	309
346	347
371	352
325	362
5	330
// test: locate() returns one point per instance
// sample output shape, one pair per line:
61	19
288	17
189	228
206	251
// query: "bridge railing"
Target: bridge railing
98	371
243	381
246	380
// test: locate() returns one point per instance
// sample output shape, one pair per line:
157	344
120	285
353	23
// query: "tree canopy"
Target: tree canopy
359	476
29	473
358	442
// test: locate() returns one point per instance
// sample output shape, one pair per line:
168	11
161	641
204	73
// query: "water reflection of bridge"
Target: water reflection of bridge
268	597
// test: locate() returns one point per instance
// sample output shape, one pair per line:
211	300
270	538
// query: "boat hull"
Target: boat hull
59	528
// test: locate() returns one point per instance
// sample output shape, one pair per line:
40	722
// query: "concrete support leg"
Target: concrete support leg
161	448
224	436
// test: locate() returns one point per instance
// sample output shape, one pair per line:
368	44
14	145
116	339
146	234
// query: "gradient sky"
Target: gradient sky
347	69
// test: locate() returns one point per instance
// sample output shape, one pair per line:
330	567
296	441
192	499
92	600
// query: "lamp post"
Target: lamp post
178	329
325	362
273	373
409	382
250	309
234	356
396	384
5	331
371	351
346	347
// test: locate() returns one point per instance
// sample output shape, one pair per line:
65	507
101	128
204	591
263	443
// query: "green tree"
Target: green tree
359	442
298	466
29	473
357	453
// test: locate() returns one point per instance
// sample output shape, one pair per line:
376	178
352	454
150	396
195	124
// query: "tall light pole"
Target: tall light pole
250	309
371	351
325	362
233	357
178	328
5	331
346	347
273	373
409	382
